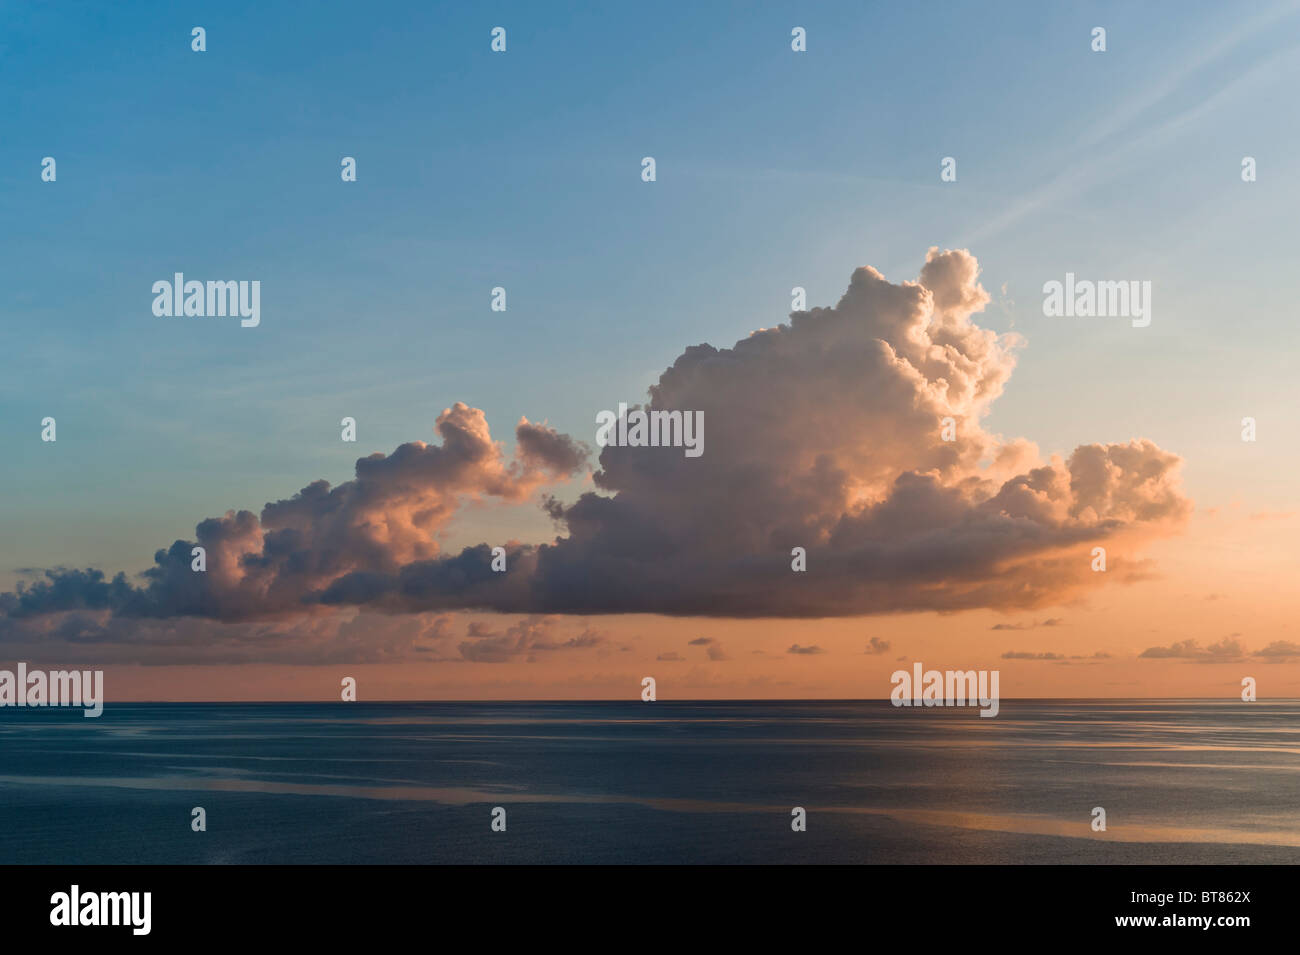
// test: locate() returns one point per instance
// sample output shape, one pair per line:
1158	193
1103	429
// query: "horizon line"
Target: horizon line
1009	699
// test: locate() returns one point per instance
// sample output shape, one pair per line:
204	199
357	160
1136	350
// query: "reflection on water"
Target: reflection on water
1180	781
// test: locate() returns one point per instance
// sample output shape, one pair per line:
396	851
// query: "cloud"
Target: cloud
345	636
877	646
795	648
526	638
348	636
823	433
1280	648
1022	655
337	540
1227	649
1049	622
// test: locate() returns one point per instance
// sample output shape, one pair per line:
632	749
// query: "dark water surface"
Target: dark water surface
1181	782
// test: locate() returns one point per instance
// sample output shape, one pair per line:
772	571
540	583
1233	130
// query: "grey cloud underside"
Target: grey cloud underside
823	433
1228	650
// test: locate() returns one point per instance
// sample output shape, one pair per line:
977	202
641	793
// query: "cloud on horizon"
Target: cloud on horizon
823	433
1228	650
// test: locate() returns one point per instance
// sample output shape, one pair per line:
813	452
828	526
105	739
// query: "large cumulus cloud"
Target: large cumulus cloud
824	433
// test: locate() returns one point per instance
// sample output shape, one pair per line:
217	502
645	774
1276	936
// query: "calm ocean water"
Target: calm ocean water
1181	782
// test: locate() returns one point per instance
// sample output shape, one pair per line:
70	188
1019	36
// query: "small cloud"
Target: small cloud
524	640
795	648
1179	650
700	642
1280	648
1023	655
1228	648
877	646
670	657
1049	622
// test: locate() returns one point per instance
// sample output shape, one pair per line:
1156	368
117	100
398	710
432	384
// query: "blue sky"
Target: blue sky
775	169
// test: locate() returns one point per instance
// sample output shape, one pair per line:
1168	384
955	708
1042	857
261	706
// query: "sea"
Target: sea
749	782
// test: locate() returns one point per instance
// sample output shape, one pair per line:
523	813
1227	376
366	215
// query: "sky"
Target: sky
775	169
